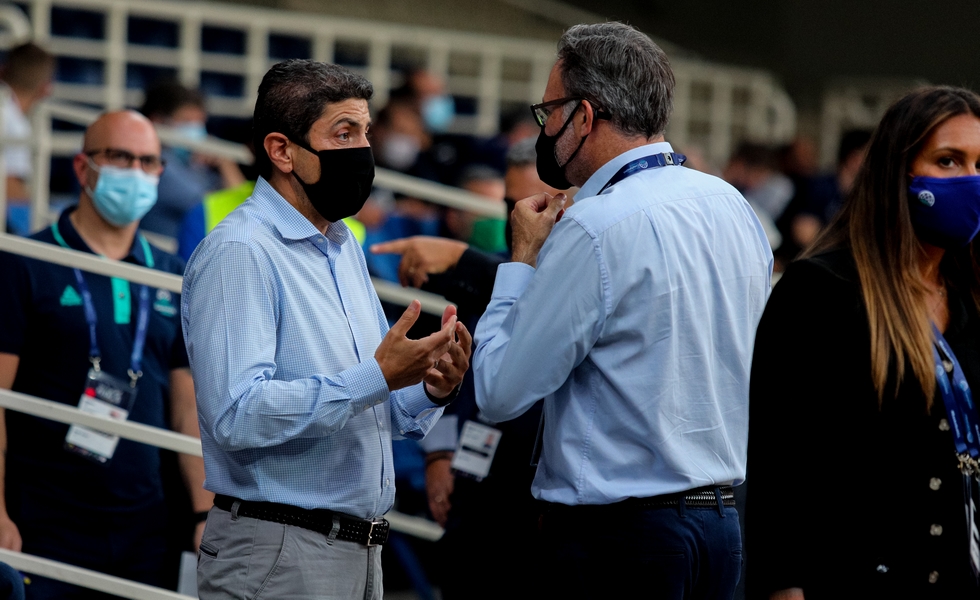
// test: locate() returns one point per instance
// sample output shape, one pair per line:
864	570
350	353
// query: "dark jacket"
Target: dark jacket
846	499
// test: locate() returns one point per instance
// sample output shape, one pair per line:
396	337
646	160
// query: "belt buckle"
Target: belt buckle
370	533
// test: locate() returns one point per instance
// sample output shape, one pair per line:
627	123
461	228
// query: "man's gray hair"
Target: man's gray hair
622	71
522	153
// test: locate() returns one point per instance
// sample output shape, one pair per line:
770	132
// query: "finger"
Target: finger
418	277
535	203
392	247
406	272
556	205
408	318
465	339
449	312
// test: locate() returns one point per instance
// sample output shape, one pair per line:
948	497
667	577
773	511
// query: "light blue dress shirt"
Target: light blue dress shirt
281	324
637	330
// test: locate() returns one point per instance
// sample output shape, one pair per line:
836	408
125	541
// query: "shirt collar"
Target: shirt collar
66	229
606	172
290	223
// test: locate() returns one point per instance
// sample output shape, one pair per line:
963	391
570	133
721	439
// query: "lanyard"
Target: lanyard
654	161
142	318
956	395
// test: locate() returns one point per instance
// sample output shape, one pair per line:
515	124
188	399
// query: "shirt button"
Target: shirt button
934	483
934	577
387	482
943	425
936	530
882	568
319	240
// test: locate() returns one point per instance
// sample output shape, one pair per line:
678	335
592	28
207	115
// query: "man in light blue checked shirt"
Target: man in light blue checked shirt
634	318
300	385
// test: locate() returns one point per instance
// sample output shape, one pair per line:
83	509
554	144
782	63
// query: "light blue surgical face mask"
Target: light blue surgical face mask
438	112
122	196
191	130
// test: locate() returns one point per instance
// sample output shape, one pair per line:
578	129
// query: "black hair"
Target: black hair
293	95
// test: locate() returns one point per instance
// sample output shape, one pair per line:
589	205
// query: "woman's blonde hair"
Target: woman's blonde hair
875	226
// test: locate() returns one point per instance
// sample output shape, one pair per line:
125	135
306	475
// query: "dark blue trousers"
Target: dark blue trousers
628	552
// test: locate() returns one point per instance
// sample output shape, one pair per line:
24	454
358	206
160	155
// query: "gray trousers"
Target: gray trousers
249	559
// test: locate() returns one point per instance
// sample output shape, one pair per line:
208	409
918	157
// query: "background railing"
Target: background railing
114	48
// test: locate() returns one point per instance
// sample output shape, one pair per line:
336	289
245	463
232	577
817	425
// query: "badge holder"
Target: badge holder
106	396
474	453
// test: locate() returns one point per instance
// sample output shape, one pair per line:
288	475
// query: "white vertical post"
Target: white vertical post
323	47
540	70
41	177
379	69
257	62
115	55
41	20
4	99
438	60
189	67
679	128
488	107
721	117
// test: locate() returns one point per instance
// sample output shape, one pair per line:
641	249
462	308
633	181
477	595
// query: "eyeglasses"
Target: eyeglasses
123	159
542	111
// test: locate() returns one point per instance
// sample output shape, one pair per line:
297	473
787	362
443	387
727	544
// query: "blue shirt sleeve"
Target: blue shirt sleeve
230	323
540	324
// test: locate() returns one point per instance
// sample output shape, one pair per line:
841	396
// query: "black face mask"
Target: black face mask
345	181
549	170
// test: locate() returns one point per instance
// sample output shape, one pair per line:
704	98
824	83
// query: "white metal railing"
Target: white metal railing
716	105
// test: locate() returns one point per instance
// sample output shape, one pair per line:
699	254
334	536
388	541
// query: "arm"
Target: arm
230	312
540	324
17	189
9	534
183	419
796	366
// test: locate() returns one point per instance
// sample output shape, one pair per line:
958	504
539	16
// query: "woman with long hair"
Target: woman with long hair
863	437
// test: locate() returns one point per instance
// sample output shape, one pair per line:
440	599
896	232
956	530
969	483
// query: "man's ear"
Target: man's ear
276	147
587	119
81	168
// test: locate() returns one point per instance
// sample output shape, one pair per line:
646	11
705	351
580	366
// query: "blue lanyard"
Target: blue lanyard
960	409
142	318
664	159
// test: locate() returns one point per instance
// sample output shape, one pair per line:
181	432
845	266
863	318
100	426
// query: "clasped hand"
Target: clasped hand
440	359
532	221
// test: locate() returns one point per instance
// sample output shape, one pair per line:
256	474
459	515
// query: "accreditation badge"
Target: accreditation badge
474	453
105	396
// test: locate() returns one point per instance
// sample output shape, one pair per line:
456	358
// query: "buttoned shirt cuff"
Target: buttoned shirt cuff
415	401
367	384
512	279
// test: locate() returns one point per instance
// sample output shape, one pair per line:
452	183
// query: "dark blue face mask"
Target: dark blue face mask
945	211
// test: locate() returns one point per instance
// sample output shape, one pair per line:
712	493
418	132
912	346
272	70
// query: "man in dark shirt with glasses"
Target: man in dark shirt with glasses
73	337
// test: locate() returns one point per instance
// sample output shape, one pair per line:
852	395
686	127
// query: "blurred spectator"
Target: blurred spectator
754	170
27	75
188	176
428	91
481	232
73	494
826	194
398	136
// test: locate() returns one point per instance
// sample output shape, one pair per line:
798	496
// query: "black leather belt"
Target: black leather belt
697	498
351	529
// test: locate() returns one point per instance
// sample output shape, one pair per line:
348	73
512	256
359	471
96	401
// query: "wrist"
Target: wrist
443	401
433	457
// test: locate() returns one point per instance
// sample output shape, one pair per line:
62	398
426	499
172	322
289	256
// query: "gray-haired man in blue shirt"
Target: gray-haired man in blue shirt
300	384
634	318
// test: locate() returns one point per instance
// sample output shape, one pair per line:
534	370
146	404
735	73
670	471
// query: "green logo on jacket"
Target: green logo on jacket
70	297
